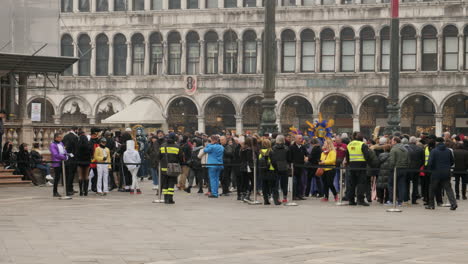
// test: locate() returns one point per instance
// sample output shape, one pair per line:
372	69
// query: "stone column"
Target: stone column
165	58
318	54
75	6
202	4
201	124
93	59
298	54
337	54
56	119
183	57
278	122
27	133
183	4
356	124
240	3
92	119
278	55
220	57
148	5
418	52
240	57
202	56
440	51
111	58
165	4
111	5
129	5
220	3
92	6
461	51
357	54
147	58
438	124
338	2
259	55
239	124
378	50
129	58
77	54
259	3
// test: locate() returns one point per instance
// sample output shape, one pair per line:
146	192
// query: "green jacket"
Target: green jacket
399	157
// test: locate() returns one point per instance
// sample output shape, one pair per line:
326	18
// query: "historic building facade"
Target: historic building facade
199	63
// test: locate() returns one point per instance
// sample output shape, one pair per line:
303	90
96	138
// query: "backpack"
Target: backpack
264	162
195	162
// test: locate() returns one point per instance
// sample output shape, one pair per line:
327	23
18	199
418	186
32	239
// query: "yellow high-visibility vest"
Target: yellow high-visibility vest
355	151
263	152
426	156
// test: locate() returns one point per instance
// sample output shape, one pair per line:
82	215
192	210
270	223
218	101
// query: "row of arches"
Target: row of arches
195	53
220	112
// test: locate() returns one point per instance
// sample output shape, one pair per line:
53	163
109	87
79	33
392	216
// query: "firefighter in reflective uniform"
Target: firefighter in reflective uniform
169	153
268	174
357	155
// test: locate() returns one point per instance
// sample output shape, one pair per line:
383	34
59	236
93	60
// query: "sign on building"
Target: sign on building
36	112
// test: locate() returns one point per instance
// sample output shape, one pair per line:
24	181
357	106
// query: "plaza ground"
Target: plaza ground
119	228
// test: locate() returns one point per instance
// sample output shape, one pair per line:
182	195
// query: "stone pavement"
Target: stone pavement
117	229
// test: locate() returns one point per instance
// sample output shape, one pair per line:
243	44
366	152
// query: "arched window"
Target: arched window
102	55
367	49
450	48
174	53
174	4
308	51
408	49
288	2
288	62
66	49
230	52
66	6
327	39
120	5
83	5
138	54
156	54
347	50
385	49
102	5
84	53
465	32
211	42
429	48
250	3
230	3
193	53
139	5
211	3
156	4
120	55
192	4
250	52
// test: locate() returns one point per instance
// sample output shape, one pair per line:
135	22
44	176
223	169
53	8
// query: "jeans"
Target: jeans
154	175
214	173
44	167
401	186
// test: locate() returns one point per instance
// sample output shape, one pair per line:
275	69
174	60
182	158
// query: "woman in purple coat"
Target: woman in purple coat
59	154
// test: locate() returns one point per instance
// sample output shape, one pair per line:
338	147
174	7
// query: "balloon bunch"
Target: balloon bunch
321	129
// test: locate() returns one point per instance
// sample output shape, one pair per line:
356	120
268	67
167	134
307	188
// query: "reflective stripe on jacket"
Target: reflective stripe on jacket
355	151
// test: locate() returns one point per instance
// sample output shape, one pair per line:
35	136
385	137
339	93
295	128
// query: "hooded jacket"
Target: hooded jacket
279	153
440	162
131	155
58	153
399	157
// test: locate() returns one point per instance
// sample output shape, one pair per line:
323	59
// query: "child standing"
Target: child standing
132	157
102	154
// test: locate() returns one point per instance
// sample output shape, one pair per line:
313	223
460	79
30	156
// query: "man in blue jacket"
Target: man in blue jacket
215	156
440	162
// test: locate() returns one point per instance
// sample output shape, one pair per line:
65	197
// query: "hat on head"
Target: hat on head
128	129
103	140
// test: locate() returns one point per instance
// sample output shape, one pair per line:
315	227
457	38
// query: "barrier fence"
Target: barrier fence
290	202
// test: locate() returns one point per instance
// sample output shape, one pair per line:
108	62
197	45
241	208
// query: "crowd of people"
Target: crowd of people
227	163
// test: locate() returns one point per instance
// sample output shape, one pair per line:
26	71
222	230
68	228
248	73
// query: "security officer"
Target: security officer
169	153
357	155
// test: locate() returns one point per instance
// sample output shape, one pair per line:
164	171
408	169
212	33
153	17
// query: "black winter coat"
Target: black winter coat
440	162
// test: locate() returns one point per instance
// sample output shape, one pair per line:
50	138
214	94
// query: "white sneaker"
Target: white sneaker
48	177
49	184
155	187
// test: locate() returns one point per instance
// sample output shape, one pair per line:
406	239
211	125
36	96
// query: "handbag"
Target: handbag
319	172
173	169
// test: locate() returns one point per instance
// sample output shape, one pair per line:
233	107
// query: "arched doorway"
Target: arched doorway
417	115
182	115
47	110
455	114
373	112
219	115
340	110
252	114
295	111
